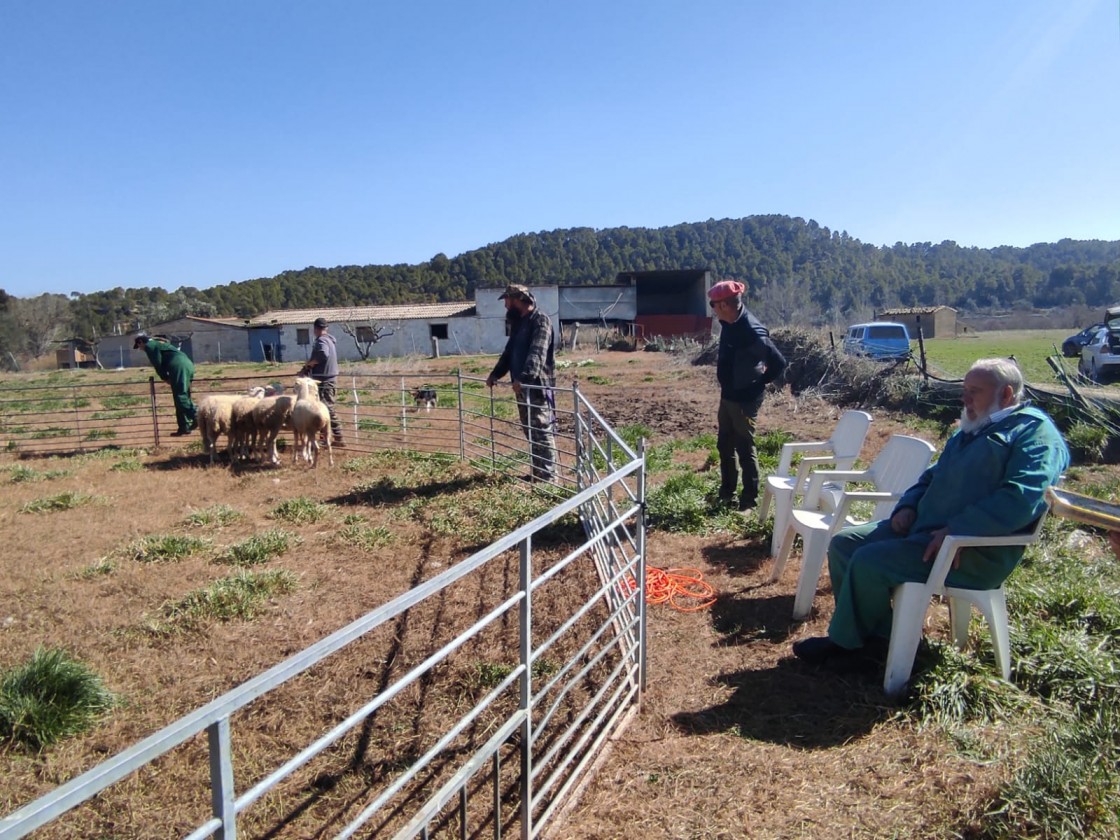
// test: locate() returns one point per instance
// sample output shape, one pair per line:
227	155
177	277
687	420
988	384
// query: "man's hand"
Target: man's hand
902	520
935	546
517	388
489	381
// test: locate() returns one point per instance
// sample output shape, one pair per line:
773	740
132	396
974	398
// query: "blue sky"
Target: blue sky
196	143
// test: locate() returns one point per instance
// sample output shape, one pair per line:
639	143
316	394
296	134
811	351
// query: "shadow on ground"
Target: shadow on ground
794	705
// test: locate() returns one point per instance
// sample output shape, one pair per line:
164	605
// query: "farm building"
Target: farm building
203	339
75	353
671	303
645	303
375	331
934	321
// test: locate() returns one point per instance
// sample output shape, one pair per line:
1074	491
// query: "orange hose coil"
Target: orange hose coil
677	588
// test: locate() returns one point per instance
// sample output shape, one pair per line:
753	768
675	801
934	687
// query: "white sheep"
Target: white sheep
214	417
242	431
310	417
269	416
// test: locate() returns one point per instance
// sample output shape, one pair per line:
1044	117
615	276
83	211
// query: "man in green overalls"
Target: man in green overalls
177	370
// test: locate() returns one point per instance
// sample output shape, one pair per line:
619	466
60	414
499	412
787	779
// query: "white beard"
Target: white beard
971	426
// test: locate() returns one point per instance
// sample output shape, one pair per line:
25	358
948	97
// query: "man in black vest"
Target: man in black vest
748	361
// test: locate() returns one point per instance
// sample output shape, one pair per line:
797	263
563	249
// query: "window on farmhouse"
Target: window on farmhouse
365	334
438	331
303	337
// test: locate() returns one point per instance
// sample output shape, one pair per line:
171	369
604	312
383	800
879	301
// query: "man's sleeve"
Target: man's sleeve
502	366
775	362
1037	460
536	361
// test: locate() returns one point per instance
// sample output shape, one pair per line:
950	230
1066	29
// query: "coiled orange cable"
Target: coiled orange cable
670	586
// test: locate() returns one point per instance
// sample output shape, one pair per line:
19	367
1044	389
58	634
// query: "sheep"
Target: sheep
242	431
310	417
269	416
214	415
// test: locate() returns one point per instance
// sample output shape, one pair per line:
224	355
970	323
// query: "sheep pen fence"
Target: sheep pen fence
506	756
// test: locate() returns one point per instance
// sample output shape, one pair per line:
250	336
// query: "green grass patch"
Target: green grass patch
365	536
48	698
50	432
215	516
165	548
368	424
1030	348
242	596
127	465
259	548
689	503
299	511
101	434
20	473
62	501
102	567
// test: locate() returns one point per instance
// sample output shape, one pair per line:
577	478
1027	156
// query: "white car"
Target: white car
1100	357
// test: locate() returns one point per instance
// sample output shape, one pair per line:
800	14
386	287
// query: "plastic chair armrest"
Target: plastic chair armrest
786	460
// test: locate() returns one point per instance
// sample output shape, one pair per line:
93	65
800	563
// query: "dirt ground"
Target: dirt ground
735	737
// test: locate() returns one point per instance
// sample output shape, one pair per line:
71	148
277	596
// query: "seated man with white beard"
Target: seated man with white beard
989	481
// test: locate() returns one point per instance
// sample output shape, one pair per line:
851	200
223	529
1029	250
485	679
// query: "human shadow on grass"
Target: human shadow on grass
741	619
738	558
794	705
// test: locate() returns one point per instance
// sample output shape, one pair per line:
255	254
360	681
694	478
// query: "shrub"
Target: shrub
49	698
1087	441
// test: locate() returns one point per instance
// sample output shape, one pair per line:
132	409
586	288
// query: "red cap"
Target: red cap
725	289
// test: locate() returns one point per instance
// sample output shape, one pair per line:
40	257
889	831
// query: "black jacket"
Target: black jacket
748	360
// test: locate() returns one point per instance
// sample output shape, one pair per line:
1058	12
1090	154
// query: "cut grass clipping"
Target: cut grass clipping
259	548
50	698
240	596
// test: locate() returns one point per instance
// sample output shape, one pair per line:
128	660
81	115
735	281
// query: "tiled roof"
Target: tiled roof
412	311
916	310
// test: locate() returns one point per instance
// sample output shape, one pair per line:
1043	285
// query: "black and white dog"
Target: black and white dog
424	398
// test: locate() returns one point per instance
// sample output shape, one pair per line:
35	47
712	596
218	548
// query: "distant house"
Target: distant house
934	321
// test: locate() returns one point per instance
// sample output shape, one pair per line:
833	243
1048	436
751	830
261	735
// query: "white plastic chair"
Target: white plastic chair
841	451
894	470
912	601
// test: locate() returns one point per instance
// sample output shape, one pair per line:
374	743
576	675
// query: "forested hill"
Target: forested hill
818	269
796	271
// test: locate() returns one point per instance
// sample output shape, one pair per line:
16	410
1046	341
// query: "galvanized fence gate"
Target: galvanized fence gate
514	757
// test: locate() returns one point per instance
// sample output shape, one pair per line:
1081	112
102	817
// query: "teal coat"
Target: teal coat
992	482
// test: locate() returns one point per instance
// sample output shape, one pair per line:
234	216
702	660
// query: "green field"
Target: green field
954	356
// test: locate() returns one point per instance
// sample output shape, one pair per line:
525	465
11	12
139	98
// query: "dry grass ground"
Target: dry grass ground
735	739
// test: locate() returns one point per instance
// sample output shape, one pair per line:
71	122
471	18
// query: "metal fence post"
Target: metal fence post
493	442
155	417
526	652
221	779
641	540
462	428
577	425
